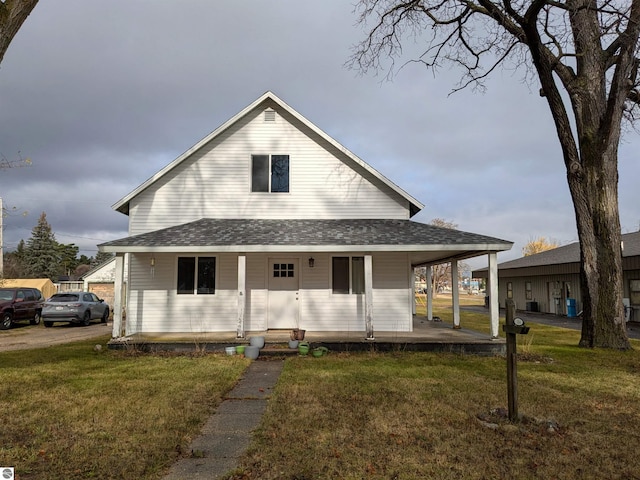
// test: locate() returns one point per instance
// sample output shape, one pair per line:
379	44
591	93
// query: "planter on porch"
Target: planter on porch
297	334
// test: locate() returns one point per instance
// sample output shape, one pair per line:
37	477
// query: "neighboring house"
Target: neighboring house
46	286
550	281
269	223
101	281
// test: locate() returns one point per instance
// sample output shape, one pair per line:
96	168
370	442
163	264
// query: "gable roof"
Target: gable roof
567	254
260	235
268	99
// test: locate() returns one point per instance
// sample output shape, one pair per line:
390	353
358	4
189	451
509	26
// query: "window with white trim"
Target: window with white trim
347	275
270	173
196	276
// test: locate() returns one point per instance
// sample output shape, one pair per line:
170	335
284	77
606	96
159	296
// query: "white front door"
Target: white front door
283	293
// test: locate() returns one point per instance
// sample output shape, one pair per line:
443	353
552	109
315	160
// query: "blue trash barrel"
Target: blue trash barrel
571	307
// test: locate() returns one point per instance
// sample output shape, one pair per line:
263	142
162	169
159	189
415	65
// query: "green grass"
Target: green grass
74	413
437	416
71	412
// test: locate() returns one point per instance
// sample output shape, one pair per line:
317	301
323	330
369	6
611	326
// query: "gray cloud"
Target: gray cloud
102	94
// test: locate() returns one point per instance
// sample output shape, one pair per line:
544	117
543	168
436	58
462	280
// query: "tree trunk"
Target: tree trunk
13	13
594	189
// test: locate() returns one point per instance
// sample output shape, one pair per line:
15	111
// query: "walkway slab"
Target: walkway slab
227	434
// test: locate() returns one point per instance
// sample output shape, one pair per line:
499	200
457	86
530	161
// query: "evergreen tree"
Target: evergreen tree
100	258
42	255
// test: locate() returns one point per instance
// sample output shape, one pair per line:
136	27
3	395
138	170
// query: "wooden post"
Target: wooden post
117	329
368	296
429	281
455	294
512	368
242	294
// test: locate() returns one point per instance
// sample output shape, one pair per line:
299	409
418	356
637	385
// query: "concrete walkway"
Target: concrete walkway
227	434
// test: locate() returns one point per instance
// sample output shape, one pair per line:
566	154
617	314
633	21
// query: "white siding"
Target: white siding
160	309
216	182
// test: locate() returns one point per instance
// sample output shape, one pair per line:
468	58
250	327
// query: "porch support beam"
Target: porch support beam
494	306
118	287
242	276
413	291
455	294
368	296
429	280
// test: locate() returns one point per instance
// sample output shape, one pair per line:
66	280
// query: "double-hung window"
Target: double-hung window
348	275
196	275
270	173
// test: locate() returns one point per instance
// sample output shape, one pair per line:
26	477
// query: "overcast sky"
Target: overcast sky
102	94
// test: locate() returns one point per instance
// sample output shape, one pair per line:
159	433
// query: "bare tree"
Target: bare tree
537	245
584	54
441	274
13	13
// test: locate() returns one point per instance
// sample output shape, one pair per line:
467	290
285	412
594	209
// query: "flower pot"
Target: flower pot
240	349
230	350
297	334
257	342
251	352
293	344
303	348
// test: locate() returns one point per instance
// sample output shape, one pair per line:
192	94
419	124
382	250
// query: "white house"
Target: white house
269	223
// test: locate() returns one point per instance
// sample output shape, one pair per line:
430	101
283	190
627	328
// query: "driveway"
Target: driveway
23	336
633	328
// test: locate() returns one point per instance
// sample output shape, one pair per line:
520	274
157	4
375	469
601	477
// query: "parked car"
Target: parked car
74	307
19	304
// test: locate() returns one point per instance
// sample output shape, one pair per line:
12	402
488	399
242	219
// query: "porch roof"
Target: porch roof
429	243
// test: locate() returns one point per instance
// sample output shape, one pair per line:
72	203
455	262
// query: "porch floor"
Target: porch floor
426	336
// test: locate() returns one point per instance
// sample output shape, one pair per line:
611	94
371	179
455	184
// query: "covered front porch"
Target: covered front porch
427	336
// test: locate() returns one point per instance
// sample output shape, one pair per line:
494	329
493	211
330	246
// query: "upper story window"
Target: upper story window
270	173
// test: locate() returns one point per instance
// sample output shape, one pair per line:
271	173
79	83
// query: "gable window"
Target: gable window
348	275
270	173
196	275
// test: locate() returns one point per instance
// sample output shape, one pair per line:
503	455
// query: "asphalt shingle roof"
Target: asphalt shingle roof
569	254
254	232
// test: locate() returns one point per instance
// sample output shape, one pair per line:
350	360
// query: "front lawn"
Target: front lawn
76	413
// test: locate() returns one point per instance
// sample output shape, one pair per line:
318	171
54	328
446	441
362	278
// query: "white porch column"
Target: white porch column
242	275
368	296
413	291
455	294
494	307
117	330
429	280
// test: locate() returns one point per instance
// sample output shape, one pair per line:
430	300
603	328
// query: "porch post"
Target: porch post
368	296
413	290
494	307
455	294
116	329
242	275
429	281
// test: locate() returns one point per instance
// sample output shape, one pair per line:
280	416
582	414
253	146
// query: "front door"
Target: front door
283	293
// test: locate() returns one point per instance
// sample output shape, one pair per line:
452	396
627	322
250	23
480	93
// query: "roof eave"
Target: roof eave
303	248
